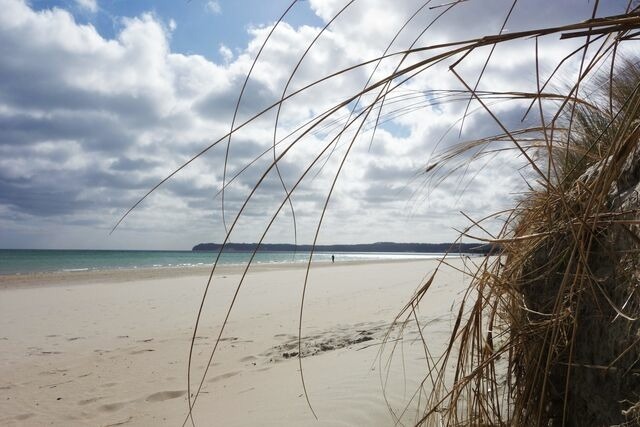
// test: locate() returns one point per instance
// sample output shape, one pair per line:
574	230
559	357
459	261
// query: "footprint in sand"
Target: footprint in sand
223	376
165	395
54	372
106	385
111	407
23	417
119	423
88	401
287	336
142	351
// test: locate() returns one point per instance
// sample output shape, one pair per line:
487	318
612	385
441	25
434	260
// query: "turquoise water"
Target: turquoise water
32	261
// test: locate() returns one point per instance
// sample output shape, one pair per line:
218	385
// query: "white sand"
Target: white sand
115	353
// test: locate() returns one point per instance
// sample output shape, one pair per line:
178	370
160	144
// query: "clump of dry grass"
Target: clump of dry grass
547	333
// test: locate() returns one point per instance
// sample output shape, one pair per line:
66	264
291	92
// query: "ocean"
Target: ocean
19	261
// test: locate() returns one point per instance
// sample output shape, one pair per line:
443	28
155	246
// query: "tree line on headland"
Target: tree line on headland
469	248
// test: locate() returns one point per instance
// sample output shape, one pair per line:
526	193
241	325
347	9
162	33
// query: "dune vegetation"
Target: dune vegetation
547	332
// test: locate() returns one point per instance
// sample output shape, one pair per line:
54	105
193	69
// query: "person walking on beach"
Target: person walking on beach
333	258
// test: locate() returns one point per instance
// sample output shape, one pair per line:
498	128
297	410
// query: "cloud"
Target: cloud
213	6
89	123
90	5
225	52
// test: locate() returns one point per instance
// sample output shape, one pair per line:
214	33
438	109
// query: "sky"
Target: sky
100	100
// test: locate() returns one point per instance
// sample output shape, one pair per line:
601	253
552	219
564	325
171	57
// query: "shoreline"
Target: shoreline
64	278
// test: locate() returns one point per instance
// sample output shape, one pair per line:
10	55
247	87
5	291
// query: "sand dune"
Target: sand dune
115	353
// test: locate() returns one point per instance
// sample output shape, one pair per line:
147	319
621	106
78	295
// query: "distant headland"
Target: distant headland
470	248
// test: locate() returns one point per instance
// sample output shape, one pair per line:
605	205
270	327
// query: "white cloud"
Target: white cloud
214	7
227	54
90	5
82	137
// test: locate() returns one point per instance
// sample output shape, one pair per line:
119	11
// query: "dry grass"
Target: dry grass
547	332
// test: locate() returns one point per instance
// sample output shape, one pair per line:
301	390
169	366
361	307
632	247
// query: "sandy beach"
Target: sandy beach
111	349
